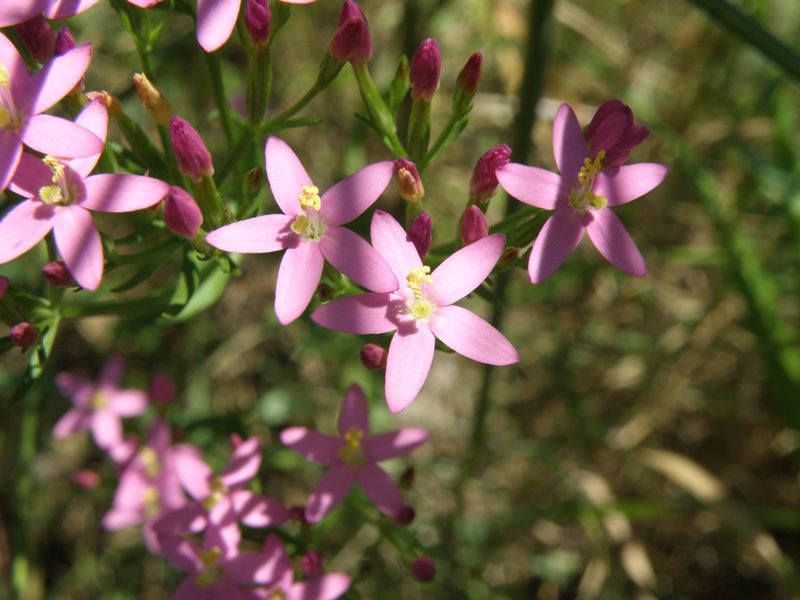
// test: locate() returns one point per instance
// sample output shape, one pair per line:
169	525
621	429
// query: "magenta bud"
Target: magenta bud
86	479
473	226
406	516
352	40
298	513
408	181
257	20
24	335
3	286
162	390
421	232
423	569
191	153
57	274
483	184
181	213
253	182
613	131
471	74
424	71
38	38
311	564
64	41
373	357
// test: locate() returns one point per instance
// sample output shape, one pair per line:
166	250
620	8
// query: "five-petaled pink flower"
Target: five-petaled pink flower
352	457
60	194
422	310
310	230
24	96
99	405
582	197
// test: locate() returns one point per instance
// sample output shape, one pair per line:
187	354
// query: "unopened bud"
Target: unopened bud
57	274
3	286
473	226
311	564
423	569
408	181
507	260
373	357
425	68
162	390
38	38
181	213
484	183
252	184
325	293
406	516
612	129
298	513
112	103
258	21
64	41
23	335
421	232
86	479
191	153
153	100
467	84
352	40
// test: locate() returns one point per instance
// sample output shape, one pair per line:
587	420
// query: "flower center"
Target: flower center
59	193
216	492
420	308
151	499
152	466
211	570
277	594
353	452
98	401
308	224
583	198
8	114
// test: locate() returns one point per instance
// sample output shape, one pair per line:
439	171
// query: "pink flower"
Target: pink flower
24	96
17	11
582	197
422	310
352	457
310	230
61	194
99	406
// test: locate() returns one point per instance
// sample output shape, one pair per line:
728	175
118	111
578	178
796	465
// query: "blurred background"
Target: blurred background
646	445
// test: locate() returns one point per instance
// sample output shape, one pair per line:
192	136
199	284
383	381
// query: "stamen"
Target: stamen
211	571
217	491
310	197
152	466
582	198
416	278
51	194
421	309
56	166
353	451
98	401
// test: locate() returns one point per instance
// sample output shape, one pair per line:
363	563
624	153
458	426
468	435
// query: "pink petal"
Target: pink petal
350	197
10	153
252	567
399	252
628	182
381	489
314	445
534	186
128	403
286	175
190	518
569	145
118	193
79	243
609	236
194	474
106	429
359	261
471	336
17	11
326	587
188	589
62	9
298	278
244	464
363	314
329	493
55	80
407	366
558	238
354	411
223	532
396	443
24	227
182	553
93	118
268	233
59	137
77	389
258	511
465	270
31	175
112	372
76	420
215	22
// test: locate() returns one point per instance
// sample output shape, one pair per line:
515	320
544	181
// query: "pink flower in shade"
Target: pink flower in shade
352	457
310	230
148	487
60	194
99	405
24	96
422	310
283	585
582	197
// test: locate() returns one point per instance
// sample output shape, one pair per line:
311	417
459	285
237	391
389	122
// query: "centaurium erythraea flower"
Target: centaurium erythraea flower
60	194
310	230
352	457
422	309
582	197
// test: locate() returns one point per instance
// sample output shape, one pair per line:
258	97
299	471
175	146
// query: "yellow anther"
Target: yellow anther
210	557
310	197
416	278
590	168
5	117
217	490
151	499
421	309
56	167
277	594
353	451
212	571
5	76
152	466
597	202
51	194
98	401
300	225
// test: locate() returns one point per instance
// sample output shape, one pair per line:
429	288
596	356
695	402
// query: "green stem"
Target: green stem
218	89
379	114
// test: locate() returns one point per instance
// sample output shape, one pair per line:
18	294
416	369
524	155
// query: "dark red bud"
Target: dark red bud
471	74
421	232
374	356
24	335
484	183
424	71
38	38
311	564
408	180
258	20
423	569
181	213
191	153
352	40
57	274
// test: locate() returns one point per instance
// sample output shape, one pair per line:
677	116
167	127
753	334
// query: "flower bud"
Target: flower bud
252	184
352	40
471	74
86	479
612	129
3	286
162	390
408	181
424	71
257	20
38	38
373	357
181	213
473	226
484	183
23	335
421	232
191	153
298	513
64	41
311	564
153	100
57	274
406	516
423	569
507	259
